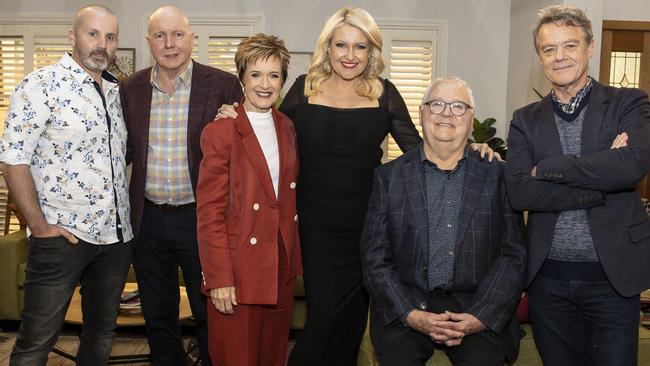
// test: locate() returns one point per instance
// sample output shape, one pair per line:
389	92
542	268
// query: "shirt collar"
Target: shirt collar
424	160
109	81
575	101
184	77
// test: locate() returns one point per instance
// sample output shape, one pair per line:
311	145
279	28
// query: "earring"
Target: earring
327	68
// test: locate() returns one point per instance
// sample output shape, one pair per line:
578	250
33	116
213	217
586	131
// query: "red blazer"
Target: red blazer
238	215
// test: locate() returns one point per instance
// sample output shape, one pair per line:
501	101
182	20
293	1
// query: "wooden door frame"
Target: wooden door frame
609	26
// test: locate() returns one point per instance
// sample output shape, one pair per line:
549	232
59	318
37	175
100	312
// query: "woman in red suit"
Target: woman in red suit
246	212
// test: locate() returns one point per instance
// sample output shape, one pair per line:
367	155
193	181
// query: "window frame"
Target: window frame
435	31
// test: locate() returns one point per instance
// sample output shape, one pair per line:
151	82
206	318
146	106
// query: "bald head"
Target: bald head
90	11
167	14
170	40
94	39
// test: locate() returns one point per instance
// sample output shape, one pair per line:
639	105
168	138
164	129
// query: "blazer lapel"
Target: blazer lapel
549	137
283	147
254	153
472	187
593	119
199	95
140	113
413	174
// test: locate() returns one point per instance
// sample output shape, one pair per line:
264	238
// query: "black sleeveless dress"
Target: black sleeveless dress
338	150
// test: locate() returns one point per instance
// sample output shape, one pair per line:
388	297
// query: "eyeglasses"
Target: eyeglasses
457	108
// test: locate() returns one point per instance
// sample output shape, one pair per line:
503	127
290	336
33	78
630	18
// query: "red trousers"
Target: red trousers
255	335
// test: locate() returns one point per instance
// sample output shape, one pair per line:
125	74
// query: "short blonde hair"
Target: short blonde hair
261	47
320	68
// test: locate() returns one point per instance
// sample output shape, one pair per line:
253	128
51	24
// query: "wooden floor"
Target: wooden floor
124	344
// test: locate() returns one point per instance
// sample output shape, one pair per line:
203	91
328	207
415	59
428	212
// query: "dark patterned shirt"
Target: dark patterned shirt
444	194
575	101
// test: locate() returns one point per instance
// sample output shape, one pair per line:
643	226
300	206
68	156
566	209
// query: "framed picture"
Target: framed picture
298	65
124	64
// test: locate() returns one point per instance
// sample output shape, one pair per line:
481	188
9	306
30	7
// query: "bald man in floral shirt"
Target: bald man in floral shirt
63	156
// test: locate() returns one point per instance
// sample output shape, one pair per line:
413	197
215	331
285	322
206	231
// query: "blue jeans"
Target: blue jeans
54	268
583	323
167	240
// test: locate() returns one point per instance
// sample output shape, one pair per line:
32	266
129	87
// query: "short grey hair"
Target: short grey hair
445	79
563	15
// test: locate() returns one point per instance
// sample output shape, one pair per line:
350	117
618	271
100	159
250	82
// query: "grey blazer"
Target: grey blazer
602	181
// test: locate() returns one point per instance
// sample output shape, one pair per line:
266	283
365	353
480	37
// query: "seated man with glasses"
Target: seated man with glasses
442	250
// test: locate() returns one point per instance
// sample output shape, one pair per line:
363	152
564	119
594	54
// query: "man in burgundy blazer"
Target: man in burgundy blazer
163	224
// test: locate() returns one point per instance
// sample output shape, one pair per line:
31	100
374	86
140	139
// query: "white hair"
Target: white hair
445	79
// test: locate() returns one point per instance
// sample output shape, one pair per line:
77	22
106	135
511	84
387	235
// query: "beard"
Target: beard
97	65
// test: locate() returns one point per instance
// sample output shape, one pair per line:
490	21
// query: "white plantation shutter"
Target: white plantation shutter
221	53
216	39
195	48
26	45
410	70
48	49
413	59
12	68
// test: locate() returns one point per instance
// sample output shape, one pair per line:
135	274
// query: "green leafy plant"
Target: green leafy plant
484	132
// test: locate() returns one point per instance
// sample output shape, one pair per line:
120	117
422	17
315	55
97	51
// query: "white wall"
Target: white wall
478	31
524	71
635	10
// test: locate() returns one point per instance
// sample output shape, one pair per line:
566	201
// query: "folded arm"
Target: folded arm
528	193
618	168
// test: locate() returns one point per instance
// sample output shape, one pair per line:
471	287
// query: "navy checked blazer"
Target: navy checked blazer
490	259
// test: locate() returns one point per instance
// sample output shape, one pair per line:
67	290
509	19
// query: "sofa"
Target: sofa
13	260
528	355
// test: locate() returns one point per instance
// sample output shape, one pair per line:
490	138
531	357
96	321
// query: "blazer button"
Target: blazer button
292	185
256	206
253	241
422	306
295	218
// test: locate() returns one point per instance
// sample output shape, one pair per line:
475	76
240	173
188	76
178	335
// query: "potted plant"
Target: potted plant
484	132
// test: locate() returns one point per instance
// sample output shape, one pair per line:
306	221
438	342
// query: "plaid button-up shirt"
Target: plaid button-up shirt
168	177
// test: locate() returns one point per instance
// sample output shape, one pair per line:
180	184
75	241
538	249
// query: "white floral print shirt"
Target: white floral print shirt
57	125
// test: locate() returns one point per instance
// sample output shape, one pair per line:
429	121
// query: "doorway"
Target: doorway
625	63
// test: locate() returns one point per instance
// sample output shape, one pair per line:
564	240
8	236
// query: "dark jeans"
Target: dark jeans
412	348
54	268
168	240
583	323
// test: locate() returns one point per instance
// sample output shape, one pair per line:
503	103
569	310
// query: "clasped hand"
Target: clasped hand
447	328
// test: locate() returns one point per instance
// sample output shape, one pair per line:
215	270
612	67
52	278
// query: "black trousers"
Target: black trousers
167	240
337	303
583	323
412	348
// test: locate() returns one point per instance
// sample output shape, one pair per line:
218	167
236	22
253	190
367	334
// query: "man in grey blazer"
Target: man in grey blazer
442	251
574	159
